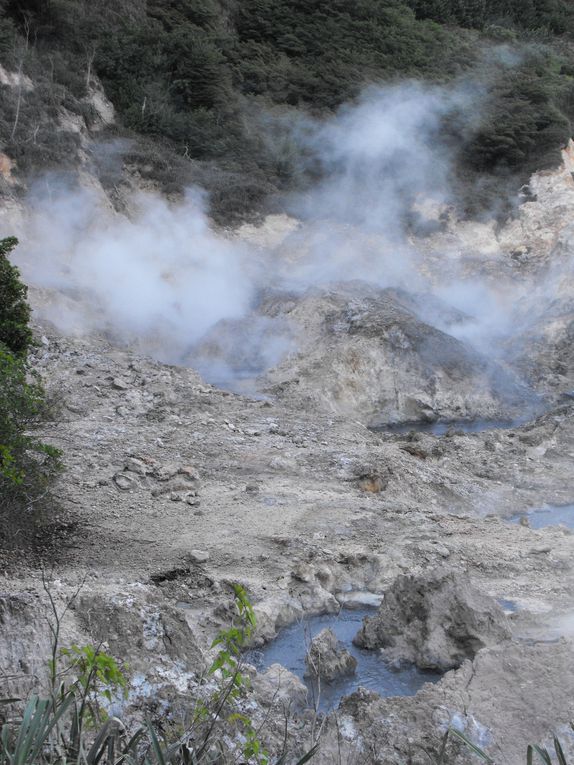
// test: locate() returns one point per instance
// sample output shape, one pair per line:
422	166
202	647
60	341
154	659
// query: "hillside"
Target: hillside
208	92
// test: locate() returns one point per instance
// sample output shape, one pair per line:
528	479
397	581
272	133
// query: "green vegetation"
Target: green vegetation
540	16
193	74
15	333
70	725
27	466
542	754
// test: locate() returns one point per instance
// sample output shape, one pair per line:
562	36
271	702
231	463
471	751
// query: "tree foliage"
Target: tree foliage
549	16
27	465
187	72
15	332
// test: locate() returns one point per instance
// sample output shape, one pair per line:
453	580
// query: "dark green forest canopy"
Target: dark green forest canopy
193	73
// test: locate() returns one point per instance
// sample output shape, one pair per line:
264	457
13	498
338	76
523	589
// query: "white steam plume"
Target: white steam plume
165	277
162	276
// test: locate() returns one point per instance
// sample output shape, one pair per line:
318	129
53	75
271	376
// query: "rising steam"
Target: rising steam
164	276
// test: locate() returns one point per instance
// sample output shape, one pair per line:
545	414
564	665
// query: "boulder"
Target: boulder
327	658
279	686
436	621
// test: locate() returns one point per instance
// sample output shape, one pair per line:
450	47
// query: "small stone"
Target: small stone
135	465
192	500
175	497
282	463
125	482
189	472
372	484
119	384
198	556
75	408
252	432
165	472
541	550
303	572
252	488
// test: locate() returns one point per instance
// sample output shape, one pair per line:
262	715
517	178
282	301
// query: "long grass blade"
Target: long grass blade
473	748
543	754
159	755
559	752
310	754
96	751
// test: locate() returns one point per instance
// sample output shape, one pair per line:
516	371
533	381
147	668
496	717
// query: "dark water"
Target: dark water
290	647
441	428
552	515
508	606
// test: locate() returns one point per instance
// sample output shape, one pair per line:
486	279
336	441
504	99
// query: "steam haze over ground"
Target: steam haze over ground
164	276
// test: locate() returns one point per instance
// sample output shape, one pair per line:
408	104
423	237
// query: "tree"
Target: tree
15	333
27	465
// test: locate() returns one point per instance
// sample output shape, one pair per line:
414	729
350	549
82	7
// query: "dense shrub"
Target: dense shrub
27	465
550	16
187	72
15	333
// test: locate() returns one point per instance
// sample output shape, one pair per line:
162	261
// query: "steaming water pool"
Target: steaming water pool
441	428
551	515
290	647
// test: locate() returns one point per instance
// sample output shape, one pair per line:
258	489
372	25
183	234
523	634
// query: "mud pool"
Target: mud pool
442	428
552	515
290	647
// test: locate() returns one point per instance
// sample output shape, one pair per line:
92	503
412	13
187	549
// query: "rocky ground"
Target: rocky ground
174	489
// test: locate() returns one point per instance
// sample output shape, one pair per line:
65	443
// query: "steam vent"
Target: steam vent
286	382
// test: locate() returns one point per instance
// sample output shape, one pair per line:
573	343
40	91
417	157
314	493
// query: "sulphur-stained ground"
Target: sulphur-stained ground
173	489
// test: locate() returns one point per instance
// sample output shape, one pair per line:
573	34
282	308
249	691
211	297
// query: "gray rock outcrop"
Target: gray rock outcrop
327	658
435	621
278	686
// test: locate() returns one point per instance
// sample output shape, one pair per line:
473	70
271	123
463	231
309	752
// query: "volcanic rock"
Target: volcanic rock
328	659
435	621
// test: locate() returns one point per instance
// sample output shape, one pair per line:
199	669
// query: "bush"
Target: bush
188	73
27	466
72	726
15	334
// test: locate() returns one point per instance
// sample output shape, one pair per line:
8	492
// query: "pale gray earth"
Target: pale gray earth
174	489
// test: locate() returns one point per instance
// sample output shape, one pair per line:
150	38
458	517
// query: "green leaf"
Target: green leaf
468	743
559	752
543	754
